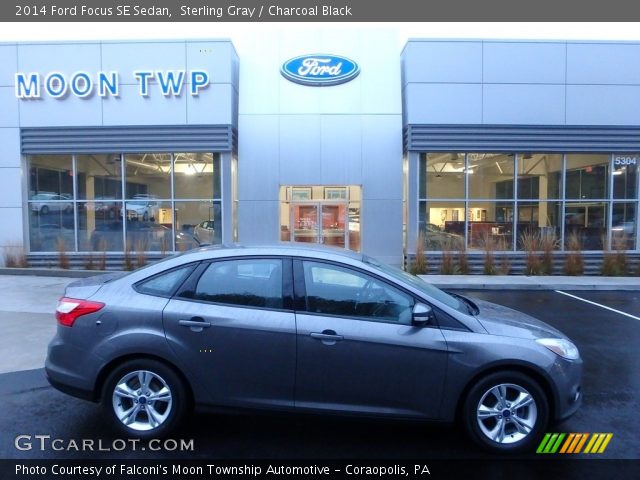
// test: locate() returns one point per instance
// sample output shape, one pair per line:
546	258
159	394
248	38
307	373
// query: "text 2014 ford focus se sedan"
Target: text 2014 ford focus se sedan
307	329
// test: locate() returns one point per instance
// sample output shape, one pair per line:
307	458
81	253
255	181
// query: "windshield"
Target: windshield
420	284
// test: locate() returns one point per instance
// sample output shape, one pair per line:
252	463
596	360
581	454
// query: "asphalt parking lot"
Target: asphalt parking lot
609	343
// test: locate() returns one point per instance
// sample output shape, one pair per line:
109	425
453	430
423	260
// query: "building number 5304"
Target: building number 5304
621	160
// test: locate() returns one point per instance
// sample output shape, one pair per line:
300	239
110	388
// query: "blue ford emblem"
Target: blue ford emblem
320	70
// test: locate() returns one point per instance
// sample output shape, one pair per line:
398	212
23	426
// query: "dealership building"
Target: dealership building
338	138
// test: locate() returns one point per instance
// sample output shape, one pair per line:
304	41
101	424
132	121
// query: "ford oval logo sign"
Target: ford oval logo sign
320	70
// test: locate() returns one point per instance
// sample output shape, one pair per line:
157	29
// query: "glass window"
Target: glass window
539	176
197	175
625	168
334	290
420	284
50	203
165	283
442	175
587	220
100	226
196	223
490	223
541	219
589	192
623	226
149	226
99	177
249	283
98	212
442	225
53	230
487	173
148	176
587	176
50	175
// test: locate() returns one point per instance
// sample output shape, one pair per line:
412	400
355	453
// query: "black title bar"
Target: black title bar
318	10
418	469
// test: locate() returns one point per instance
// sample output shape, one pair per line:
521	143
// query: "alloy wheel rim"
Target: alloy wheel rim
142	400
506	413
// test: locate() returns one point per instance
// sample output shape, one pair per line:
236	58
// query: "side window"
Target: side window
334	290
250	283
164	284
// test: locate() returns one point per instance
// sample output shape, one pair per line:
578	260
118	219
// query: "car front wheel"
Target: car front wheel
145	398
506	412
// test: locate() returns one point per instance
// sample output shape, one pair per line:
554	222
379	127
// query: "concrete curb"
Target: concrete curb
513	282
550	286
52	272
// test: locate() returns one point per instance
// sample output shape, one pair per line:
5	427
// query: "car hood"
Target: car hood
507	322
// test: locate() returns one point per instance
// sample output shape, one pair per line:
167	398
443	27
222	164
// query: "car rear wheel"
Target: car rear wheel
145	398
506	412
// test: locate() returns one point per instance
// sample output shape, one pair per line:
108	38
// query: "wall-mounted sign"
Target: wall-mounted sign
105	84
320	70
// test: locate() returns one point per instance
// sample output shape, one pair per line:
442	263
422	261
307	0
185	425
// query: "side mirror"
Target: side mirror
422	314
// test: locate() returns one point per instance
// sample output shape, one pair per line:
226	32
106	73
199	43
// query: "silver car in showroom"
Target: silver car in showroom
307	329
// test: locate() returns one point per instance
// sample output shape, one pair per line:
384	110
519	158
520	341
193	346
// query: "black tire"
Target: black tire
541	410
44	210
174	383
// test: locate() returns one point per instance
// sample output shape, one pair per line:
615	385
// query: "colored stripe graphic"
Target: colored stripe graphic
581	443
555	447
550	443
573	443
605	443
566	444
593	440
577	443
598	443
543	443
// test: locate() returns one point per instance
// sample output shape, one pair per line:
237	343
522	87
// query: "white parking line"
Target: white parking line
598	305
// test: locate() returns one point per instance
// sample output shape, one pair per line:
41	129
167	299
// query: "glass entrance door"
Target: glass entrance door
305	223
333	231
320	222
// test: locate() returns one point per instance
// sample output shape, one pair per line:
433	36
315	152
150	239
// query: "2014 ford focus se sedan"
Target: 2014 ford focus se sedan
307	329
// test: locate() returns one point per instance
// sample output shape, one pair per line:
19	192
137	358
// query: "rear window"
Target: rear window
164	284
248	282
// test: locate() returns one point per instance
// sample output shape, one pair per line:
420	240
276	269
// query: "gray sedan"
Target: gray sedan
307	329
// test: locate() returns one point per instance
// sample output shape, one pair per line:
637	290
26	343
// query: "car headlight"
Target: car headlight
561	347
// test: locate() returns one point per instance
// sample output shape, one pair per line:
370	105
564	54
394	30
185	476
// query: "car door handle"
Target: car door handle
195	323
328	337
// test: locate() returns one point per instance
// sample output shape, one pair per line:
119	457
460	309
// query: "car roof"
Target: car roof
236	250
282	248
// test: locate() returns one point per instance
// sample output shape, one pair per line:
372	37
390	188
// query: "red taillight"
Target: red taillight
69	309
